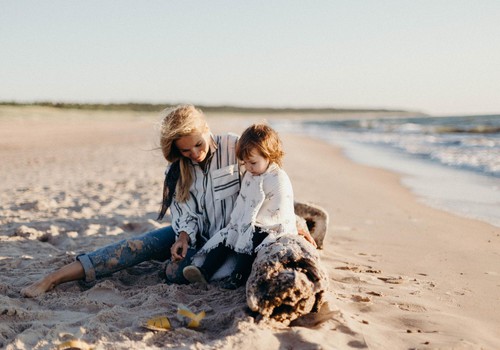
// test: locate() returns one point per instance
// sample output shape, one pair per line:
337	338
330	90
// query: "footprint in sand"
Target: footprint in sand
377	294
357	268
411	307
392	280
105	295
370	255
463	291
353	279
353	268
361	299
491	273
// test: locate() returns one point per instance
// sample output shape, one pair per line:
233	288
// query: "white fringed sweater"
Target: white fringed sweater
265	201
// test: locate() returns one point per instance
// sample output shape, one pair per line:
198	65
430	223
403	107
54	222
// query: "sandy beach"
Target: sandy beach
402	275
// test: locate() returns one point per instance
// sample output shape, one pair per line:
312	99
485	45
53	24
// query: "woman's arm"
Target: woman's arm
185	220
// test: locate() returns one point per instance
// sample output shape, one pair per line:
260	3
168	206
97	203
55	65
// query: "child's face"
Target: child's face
256	164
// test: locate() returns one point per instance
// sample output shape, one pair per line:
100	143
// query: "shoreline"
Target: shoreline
402	274
466	192
470	194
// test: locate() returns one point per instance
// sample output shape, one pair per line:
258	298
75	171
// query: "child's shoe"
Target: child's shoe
194	275
236	280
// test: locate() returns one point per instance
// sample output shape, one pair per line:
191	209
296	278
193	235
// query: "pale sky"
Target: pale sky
436	56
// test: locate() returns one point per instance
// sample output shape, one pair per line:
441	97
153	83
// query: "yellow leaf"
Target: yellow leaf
160	323
74	344
195	318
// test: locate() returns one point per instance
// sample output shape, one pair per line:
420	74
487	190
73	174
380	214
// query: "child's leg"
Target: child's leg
258	237
243	266
213	261
244	262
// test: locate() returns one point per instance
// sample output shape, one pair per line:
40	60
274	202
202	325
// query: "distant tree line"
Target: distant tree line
153	107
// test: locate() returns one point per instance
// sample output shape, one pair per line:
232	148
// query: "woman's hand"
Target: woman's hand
180	247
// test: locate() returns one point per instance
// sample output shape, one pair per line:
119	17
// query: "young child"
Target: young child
264	209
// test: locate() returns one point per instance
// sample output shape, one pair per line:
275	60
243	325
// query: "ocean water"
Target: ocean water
451	163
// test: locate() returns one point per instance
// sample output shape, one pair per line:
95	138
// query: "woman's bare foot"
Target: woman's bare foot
38	288
71	272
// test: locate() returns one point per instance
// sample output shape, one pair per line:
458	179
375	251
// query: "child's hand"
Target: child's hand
308	237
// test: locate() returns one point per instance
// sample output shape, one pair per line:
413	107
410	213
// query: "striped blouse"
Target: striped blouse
212	195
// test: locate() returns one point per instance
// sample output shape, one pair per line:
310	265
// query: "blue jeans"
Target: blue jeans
153	245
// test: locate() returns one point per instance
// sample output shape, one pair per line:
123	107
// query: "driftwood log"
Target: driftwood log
316	220
287	280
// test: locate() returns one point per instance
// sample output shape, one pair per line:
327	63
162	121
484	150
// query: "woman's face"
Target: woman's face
194	147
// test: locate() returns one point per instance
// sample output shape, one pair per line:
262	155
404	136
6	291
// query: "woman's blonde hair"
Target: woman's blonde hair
263	139
183	120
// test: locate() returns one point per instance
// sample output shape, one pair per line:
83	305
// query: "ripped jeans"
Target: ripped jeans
153	245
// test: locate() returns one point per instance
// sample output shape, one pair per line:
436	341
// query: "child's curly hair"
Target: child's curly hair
263	139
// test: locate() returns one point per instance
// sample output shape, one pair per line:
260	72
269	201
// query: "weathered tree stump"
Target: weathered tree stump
287	280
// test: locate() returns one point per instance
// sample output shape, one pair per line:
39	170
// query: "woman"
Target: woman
201	186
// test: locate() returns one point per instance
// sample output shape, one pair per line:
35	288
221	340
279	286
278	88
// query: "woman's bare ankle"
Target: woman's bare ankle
39	287
71	272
